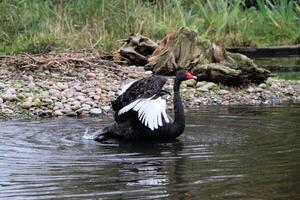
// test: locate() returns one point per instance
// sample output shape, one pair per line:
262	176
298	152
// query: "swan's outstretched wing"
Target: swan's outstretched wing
151	111
148	86
125	87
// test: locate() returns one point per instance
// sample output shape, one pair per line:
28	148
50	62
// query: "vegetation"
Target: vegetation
39	26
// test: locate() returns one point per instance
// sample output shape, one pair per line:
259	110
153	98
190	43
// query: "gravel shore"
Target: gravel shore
89	91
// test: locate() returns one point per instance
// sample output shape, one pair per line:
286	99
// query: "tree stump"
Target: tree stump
209	62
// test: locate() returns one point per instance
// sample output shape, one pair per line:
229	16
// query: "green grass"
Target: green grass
41	26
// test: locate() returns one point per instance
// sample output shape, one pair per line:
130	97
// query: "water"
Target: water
225	153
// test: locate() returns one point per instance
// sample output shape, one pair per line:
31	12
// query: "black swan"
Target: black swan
140	111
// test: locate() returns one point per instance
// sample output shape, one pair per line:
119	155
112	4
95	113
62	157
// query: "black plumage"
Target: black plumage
128	126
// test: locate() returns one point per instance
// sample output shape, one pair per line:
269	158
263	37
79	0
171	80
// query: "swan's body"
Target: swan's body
140	111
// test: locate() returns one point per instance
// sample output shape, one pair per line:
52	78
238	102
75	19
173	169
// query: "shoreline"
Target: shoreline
84	91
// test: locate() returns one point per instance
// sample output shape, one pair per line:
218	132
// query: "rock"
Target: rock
86	107
57	113
27	104
96	97
77	87
21	95
44	95
98	90
10	95
59	105
75	106
91	75
2	85
223	92
7	111
62	86
258	89
80	98
1	101
54	92
31	85
148	72
106	108
111	94
95	111
71	113
70	92
70	100
208	86
191	83
262	85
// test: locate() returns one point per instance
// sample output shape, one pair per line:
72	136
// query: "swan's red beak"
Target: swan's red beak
190	76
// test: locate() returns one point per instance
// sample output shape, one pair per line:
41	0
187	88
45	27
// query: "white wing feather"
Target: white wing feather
125	87
150	111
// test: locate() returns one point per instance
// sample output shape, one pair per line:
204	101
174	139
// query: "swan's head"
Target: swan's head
184	75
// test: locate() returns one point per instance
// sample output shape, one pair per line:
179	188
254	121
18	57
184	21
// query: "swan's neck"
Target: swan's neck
178	107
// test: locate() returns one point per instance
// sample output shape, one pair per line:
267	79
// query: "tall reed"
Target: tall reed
37	26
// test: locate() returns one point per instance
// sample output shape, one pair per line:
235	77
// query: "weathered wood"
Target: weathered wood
209	62
136	49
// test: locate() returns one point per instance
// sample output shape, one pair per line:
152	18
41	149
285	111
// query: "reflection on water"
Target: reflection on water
225	153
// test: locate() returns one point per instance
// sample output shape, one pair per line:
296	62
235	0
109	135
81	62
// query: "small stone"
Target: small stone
263	86
77	87
148	73
96	111
1	101
62	86
91	75
57	113
31	85
257	89
54	92
71	113
191	83
7	111
106	108
111	94
96	97
75	107
200	84
44	95
80	98
2	85
27	104
70	92
9	97
223	92
250	90
86	107
98	90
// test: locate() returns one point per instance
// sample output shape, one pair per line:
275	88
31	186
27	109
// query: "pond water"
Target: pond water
224	153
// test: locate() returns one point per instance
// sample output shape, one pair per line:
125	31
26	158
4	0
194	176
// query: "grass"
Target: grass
42	26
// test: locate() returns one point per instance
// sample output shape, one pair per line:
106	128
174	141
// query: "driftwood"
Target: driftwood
209	62
58	61
137	49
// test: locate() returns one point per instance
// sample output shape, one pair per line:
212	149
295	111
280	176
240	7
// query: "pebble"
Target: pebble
223	92
191	83
26	104
148	73
106	108
96	111
2	85
58	113
42	95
